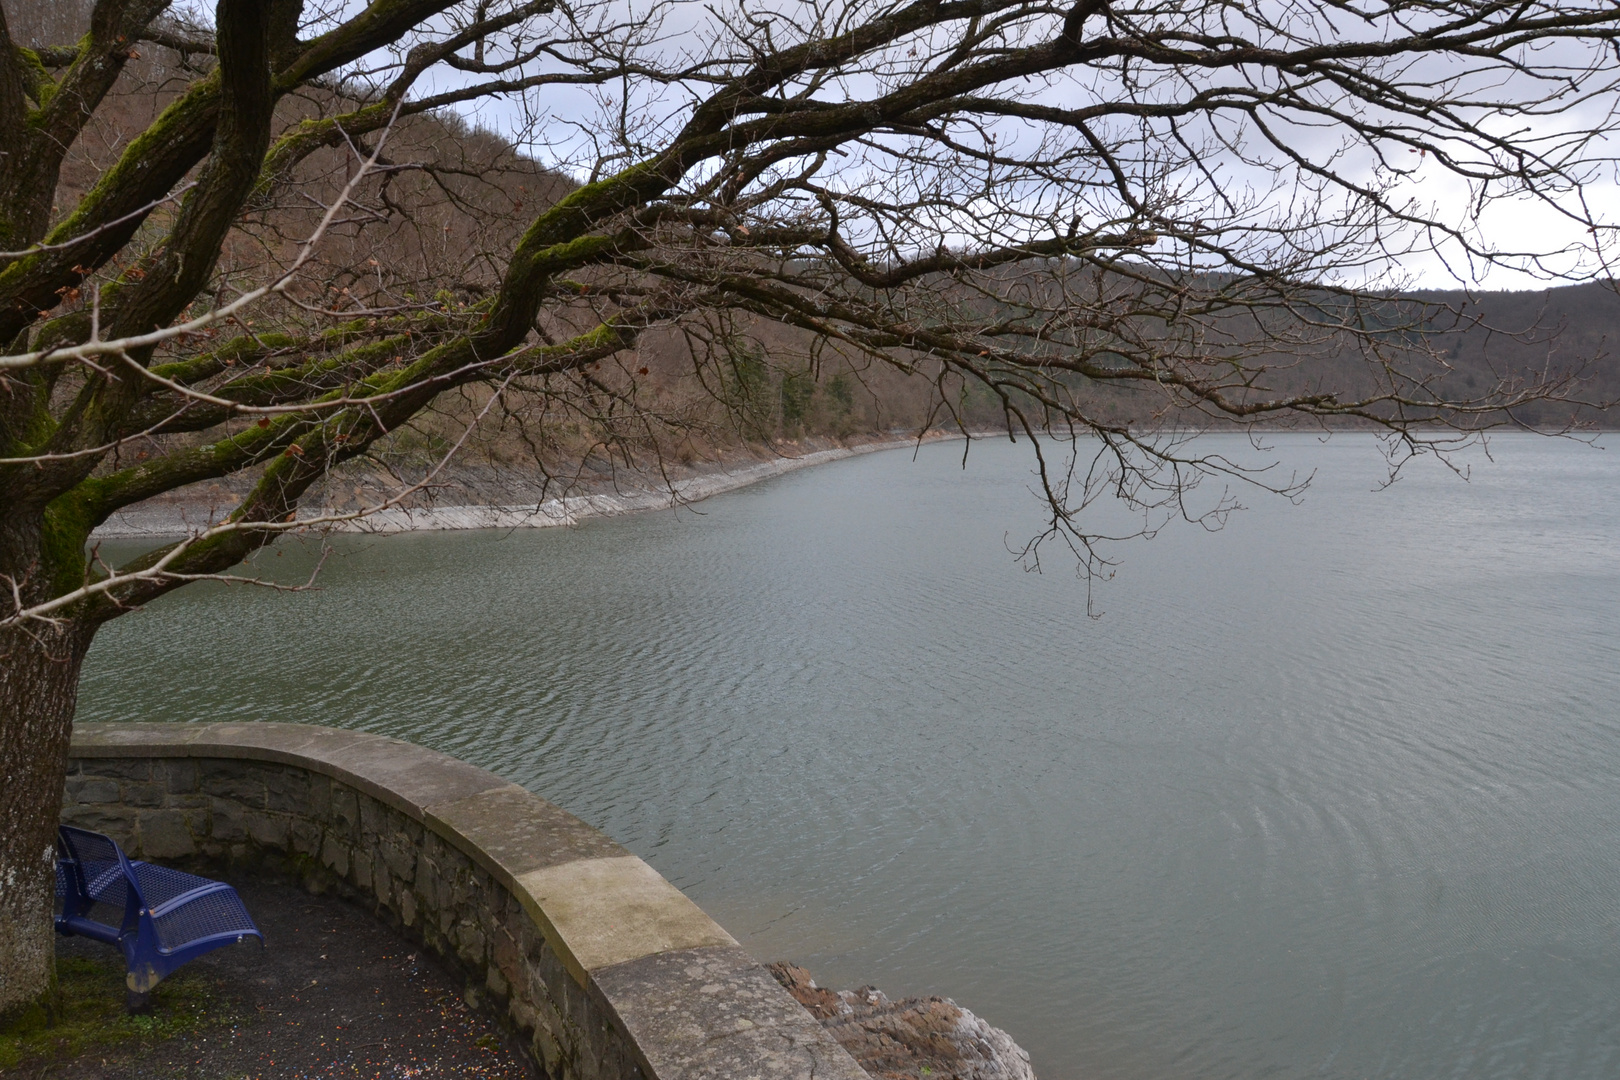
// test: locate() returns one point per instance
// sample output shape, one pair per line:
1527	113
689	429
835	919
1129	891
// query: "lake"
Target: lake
1334	792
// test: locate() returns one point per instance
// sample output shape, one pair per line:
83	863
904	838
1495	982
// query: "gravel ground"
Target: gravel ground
334	993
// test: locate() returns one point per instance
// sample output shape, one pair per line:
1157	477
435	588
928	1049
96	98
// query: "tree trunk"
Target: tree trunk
39	680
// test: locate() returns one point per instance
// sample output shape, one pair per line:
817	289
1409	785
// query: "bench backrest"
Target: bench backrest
101	883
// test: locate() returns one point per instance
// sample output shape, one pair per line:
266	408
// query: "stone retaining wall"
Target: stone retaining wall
605	968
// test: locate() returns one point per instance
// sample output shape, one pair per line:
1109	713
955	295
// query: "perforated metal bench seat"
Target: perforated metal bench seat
159	917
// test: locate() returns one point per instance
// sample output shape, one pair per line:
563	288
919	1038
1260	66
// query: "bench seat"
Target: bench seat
159	917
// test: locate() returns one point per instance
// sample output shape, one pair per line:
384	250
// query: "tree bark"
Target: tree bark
39	680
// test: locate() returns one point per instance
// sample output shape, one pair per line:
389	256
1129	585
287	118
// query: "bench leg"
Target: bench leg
137	1004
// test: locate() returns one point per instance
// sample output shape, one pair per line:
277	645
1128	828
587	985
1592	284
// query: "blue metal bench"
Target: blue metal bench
160	918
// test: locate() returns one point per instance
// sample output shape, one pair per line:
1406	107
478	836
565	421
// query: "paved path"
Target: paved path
334	994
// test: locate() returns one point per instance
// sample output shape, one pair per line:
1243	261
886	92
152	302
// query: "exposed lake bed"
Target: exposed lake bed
1334	792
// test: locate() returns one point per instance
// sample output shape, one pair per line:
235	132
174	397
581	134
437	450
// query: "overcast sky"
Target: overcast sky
554	124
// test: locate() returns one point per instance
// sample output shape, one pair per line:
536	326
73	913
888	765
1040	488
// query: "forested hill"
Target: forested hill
470	191
1573	328
1467	343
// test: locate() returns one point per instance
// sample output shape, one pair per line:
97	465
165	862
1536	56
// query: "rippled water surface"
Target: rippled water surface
1332	793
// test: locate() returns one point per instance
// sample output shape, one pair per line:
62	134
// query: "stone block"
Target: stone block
193	801
373	817
320	797
149	794
522	1014
228	822
407	907
600	912
504	956
398	856
425	876
233	780
716	1012
362	870
548	1051
469	942
518	831
496	984
165	834
520	928
346	811
116	821
139	769
306	836
179	775
287	791
248	794
545	1020
91	789
270	830
257	739
212	770
539	980
450	895
335	855
407	777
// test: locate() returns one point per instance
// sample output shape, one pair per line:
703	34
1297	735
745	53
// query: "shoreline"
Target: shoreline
183	519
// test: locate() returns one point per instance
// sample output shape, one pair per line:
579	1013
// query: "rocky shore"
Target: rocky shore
931	1037
478	498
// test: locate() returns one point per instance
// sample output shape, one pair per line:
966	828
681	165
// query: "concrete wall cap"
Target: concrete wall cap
716	1012
519	832
408	777
607	911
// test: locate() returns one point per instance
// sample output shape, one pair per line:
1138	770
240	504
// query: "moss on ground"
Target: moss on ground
92	1016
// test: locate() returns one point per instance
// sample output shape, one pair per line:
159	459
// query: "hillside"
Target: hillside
731	387
1575	328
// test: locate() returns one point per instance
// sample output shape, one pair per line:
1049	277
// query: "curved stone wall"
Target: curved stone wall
605	968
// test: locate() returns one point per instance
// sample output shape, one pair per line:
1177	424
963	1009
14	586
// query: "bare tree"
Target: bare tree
1029	205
